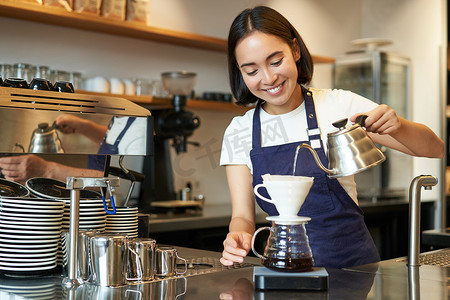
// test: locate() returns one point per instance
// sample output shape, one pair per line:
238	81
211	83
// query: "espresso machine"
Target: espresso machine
23	109
173	127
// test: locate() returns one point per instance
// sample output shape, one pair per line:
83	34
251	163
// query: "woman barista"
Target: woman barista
270	65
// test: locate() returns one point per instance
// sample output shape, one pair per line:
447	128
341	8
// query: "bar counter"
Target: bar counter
386	218
385	280
219	215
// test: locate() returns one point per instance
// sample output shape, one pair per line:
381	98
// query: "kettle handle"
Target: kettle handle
259	195
340	124
253	241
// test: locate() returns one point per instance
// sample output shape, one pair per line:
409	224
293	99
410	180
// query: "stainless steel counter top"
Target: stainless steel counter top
386	280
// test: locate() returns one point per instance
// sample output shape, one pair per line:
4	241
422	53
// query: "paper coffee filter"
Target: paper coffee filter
268	177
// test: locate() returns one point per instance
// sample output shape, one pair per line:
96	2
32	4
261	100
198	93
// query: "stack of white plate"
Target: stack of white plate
92	215
30	230
124	221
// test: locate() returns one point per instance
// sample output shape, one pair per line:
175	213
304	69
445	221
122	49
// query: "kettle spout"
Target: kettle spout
316	158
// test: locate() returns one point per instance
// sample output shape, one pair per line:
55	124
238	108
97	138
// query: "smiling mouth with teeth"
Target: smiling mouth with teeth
275	89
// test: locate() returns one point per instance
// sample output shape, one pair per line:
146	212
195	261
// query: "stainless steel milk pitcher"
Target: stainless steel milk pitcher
145	249
109	259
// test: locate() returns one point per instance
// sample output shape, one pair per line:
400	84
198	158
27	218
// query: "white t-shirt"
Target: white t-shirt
330	105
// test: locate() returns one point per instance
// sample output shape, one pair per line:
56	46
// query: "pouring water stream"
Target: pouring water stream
295	160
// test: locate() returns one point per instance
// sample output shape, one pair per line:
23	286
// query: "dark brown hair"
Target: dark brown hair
269	21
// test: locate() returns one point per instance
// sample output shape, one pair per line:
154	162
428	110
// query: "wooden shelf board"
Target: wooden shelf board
61	17
151	102
216	106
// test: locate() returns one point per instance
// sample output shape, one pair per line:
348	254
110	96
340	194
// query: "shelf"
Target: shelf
61	17
151	102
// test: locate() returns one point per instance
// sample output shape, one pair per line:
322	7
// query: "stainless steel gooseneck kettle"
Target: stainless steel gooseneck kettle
350	150
44	139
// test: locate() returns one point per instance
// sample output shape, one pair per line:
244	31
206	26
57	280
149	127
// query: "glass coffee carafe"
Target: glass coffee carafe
287	247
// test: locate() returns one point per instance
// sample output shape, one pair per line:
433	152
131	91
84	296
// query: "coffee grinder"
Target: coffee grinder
172	128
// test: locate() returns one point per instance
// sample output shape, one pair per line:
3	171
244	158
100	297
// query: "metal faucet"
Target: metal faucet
426	181
75	184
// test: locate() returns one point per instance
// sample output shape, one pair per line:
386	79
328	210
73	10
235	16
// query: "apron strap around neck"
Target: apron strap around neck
313	129
256	135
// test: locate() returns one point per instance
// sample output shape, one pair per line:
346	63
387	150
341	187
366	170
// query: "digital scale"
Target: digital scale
267	279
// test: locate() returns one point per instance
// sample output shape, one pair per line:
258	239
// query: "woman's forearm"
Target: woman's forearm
239	224
419	140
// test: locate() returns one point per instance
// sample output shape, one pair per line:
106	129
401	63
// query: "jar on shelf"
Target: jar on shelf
23	71
143	86
76	78
60	75
6	71
42	72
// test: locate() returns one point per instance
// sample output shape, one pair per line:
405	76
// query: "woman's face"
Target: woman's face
267	65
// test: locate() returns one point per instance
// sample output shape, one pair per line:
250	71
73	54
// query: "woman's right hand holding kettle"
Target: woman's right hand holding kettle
70	124
381	120
390	130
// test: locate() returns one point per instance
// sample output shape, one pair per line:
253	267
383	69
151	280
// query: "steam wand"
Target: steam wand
130	176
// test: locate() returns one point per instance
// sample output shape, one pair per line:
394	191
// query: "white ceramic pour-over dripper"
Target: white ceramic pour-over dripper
288	192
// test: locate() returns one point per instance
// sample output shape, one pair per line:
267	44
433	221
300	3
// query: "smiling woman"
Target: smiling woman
270	65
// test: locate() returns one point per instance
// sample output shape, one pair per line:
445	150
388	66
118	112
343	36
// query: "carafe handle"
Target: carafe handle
253	241
259	195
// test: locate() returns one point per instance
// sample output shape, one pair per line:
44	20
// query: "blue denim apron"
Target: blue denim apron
337	233
97	162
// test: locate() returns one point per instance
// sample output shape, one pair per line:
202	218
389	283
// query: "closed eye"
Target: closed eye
277	63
